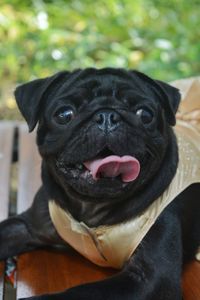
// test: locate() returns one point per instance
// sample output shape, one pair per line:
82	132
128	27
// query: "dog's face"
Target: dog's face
102	133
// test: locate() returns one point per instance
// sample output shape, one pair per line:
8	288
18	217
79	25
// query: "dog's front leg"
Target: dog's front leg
29	230
16	236
153	272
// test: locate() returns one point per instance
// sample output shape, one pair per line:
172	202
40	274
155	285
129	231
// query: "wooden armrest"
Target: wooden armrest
45	271
191	281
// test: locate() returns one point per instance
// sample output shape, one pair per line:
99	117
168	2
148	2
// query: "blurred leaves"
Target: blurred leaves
39	38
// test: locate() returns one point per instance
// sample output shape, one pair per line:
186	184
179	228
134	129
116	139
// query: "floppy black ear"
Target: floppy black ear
170	100
30	97
169	96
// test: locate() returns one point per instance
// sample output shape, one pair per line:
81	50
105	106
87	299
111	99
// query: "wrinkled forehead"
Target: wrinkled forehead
104	82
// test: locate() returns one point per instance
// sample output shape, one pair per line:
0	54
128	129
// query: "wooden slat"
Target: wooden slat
45	271
191	281
6	145
29	168
28	182
6	140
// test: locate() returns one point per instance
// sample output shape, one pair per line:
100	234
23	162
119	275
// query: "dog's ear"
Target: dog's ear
169	96
31	96
170	99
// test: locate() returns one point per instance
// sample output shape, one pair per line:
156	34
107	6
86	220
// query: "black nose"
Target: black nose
107	120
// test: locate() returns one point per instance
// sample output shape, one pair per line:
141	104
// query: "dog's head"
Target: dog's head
102	133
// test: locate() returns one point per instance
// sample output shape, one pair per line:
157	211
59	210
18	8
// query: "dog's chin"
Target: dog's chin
79	180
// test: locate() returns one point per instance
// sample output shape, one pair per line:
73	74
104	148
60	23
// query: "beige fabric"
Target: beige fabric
112	246
189	110
198	254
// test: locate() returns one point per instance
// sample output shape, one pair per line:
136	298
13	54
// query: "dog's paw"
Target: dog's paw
33	298
42	297
58	296
46	297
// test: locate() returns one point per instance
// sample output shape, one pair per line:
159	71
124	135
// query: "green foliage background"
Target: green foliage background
38	38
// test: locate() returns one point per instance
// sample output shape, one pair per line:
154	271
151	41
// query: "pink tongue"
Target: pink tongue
112	166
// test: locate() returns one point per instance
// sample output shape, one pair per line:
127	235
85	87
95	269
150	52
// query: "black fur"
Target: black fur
154	271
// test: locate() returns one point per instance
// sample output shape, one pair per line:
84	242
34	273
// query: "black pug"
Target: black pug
108	152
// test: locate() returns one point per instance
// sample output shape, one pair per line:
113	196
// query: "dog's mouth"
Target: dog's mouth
106	165
112	166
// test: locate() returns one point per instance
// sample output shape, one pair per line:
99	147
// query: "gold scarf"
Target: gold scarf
112	246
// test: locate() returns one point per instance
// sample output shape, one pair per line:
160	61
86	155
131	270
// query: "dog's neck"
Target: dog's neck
109	212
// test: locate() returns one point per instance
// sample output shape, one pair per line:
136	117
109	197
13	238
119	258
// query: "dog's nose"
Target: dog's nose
107	120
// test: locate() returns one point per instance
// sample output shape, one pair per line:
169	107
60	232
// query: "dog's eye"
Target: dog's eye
64	115
145	115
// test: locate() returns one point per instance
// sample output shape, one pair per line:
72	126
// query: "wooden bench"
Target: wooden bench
46	271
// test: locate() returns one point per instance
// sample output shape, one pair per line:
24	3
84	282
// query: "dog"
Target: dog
108	152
